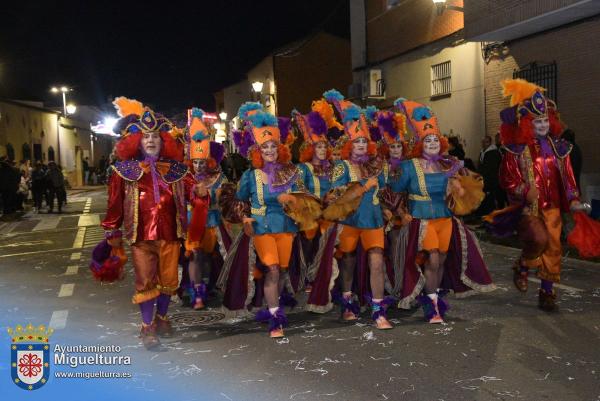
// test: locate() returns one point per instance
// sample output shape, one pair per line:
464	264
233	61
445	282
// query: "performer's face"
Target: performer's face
396	150
321	150
151	143
431	145
199	165
541	126
335	155
268	150
360	147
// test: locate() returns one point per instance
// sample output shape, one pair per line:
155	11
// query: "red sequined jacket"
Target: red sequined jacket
550	171
131	201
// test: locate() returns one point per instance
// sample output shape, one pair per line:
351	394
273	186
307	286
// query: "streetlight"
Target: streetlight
63	90
257	86
442	6
71	109
223	116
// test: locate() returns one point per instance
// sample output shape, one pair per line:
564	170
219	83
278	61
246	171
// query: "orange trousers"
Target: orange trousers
155	265
274	248
548	263
438	234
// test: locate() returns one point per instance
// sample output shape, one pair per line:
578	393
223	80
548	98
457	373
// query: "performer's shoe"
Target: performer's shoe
149	337
520	278
350	308
434	309
277	322
198	304
547	301
436	319
277	332
379	313
163	326
308	288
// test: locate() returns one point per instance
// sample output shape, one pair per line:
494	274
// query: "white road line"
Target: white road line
88	220
76	256
561	286
47	223
58	319
66	290
71	270
78	242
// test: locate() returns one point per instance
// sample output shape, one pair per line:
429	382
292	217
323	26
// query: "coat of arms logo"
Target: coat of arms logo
30	355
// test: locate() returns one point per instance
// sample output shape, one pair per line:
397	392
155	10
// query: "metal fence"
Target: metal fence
542	74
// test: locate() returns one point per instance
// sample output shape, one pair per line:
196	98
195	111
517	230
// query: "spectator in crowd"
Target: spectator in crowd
86	171
22	191
489	164
38	186
56	187
575	155
102	165
7	192
455	148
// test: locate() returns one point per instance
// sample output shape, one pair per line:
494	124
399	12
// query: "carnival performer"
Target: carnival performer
354	202
536	173
207	249
262	202
391	129
441	253
147	195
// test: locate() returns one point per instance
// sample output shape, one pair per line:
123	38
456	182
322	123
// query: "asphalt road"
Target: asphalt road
497	346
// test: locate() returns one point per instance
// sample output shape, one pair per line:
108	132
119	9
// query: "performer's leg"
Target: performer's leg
145	262
347	248
444	235
167	284
431	244
549	272
195	270
533	235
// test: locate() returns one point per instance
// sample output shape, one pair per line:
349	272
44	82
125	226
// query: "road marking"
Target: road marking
71	270
66	290
561	286
89	220
76	256
78	242
47	223
28	243
58	319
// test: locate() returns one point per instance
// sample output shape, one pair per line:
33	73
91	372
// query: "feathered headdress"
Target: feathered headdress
137	119
419	117
353	118
527	102
312	126
199	141
392	126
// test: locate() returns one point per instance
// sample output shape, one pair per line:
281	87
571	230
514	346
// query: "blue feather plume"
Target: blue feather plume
248	107
421	113
198	113
199	136
333	94
263	119
370	112
352	113
398	102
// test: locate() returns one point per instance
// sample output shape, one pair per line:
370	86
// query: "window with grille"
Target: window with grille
441	79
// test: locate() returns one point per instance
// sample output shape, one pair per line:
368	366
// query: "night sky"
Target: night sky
169	54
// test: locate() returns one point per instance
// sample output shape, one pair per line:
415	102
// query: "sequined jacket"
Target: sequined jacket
369	214
265	208
131	201
426	192
316	182
526	165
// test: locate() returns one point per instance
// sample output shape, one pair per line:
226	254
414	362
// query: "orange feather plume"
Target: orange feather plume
519	90
127	106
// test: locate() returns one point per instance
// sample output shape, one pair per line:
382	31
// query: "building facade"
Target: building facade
29	131
555	43
405	48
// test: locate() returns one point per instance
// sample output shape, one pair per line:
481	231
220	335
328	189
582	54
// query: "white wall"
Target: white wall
409	76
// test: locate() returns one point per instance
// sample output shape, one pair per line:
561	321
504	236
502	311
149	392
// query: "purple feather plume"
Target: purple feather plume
375	134
217	151
279	319
262	315
243	140
385	121
316	122
284	124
